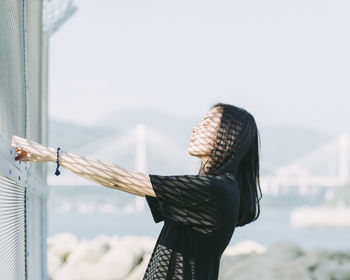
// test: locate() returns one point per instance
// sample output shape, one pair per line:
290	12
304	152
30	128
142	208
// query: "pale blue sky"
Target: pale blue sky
284	61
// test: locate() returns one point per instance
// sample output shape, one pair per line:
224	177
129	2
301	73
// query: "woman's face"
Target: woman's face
204	134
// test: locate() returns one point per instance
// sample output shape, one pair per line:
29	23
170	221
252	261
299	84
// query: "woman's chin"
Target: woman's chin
191	152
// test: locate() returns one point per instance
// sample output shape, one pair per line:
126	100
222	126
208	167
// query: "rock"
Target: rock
140	269
262	267
89	251
84	261
139	245
342	273
62	245
332	265
115	257
284	250
244	247
312	258
117	263
54	262
106	258
274	263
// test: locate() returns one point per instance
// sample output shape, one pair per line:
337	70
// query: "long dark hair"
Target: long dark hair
236	151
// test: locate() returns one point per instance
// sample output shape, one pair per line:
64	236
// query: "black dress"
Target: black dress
200	213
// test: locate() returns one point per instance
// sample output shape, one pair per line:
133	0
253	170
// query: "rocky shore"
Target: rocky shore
126	257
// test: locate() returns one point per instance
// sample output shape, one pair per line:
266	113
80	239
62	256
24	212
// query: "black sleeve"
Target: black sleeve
189	200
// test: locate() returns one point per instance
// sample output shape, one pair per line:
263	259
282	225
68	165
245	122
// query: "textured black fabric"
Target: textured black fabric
200	213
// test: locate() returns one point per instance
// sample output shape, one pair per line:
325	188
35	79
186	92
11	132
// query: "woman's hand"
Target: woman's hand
29	150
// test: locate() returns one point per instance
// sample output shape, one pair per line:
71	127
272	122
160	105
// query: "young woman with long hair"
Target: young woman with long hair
200	212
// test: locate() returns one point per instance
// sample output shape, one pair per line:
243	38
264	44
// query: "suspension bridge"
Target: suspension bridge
325	166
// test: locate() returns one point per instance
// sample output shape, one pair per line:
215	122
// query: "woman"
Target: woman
200	212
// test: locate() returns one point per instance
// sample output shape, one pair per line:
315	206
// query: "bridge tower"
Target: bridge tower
344	157
140	161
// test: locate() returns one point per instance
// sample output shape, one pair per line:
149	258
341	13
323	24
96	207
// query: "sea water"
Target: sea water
75	211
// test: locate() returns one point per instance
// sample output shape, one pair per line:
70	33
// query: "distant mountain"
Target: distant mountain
178	128
279	144
69	135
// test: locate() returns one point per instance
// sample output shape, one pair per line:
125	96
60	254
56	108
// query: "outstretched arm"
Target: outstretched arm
107	174
104	173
